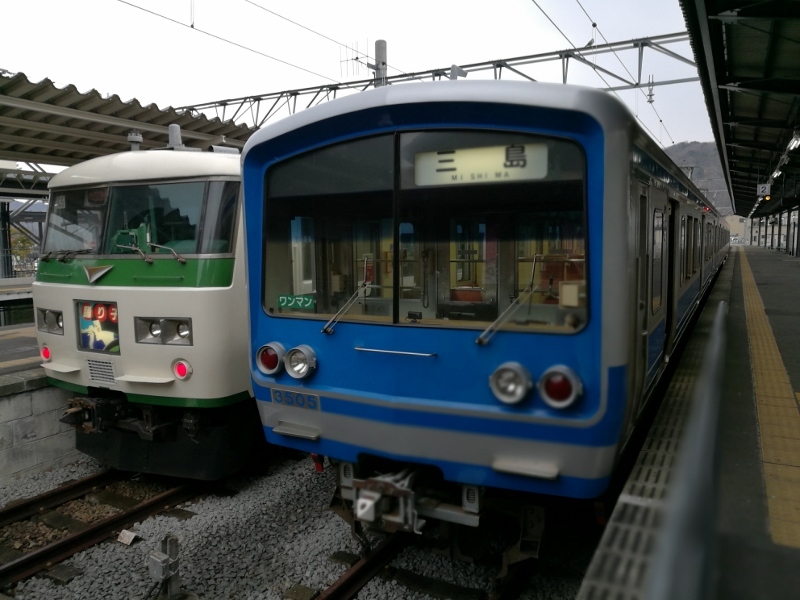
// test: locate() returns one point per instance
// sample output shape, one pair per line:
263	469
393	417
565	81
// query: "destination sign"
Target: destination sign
490	164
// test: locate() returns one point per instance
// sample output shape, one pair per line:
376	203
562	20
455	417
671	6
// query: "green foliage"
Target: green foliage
21	245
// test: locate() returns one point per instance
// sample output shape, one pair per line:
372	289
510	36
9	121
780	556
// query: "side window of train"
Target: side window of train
696	261
688	265
657	260
683	250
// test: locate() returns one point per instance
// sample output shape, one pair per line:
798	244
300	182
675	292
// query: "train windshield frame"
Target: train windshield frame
194	216
489	226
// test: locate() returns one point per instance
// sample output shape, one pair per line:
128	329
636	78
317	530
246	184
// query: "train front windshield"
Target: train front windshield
445	228
189	217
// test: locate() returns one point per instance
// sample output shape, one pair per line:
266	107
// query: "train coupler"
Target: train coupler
92	415
387	501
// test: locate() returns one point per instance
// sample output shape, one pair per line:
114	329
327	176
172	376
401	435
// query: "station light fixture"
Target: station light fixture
794	143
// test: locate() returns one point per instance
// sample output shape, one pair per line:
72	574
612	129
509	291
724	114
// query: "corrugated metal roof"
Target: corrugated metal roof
749	66
42	123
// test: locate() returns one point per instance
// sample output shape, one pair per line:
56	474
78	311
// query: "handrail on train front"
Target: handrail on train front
683	560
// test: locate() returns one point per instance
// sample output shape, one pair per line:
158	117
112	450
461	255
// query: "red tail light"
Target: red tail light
559	387
45	353
269	358
181	369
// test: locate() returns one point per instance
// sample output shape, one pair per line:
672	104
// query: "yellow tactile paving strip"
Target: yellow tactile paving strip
778	418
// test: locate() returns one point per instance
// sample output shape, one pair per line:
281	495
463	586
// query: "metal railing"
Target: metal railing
682	565
14	264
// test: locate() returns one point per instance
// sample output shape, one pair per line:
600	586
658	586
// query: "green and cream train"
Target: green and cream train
141	310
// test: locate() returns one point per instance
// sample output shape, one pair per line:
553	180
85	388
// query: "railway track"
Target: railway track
80	536
376	563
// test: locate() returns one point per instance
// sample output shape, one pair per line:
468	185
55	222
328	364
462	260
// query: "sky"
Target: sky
185	52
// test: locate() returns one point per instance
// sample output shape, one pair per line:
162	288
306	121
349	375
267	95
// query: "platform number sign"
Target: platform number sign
763	189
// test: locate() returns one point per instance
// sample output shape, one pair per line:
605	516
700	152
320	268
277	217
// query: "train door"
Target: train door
639	363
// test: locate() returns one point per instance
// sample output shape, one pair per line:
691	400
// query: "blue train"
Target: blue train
460	289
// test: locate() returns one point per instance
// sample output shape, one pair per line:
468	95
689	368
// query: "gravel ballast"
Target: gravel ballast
275	532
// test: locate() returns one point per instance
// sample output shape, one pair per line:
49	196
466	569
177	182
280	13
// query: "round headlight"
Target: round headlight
60	320
300	362
269	358
559	386
155	329
183	330
510	383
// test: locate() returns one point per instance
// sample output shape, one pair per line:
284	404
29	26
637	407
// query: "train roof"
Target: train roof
607	110
597	103
148	165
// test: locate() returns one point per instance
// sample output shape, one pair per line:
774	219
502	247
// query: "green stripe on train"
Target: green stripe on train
195	273
161	400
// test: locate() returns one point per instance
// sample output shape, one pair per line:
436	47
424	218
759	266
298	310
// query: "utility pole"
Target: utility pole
380	63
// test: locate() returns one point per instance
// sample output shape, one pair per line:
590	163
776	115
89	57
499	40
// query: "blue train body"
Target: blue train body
479	281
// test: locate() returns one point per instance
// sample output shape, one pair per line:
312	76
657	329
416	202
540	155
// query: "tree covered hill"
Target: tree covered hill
701	162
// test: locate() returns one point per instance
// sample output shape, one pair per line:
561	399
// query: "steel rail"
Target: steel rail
47	556
357	576
22	509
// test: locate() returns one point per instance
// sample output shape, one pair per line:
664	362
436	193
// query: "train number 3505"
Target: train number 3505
288	398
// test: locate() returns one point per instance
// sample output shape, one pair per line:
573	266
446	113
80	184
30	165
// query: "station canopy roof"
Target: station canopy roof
749	65
44	124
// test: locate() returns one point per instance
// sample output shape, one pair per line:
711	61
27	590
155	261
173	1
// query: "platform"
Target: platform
754	550
758	522
18	349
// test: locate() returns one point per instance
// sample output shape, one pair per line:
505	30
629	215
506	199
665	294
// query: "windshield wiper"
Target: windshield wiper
63	255
144	256
177	256
487	334
363	286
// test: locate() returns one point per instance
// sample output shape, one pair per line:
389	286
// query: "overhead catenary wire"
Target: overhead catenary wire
247	48
595	26
322	35
227	41
564	35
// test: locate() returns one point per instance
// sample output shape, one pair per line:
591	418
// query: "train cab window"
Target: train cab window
219	219
144	217
75	220
452	229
